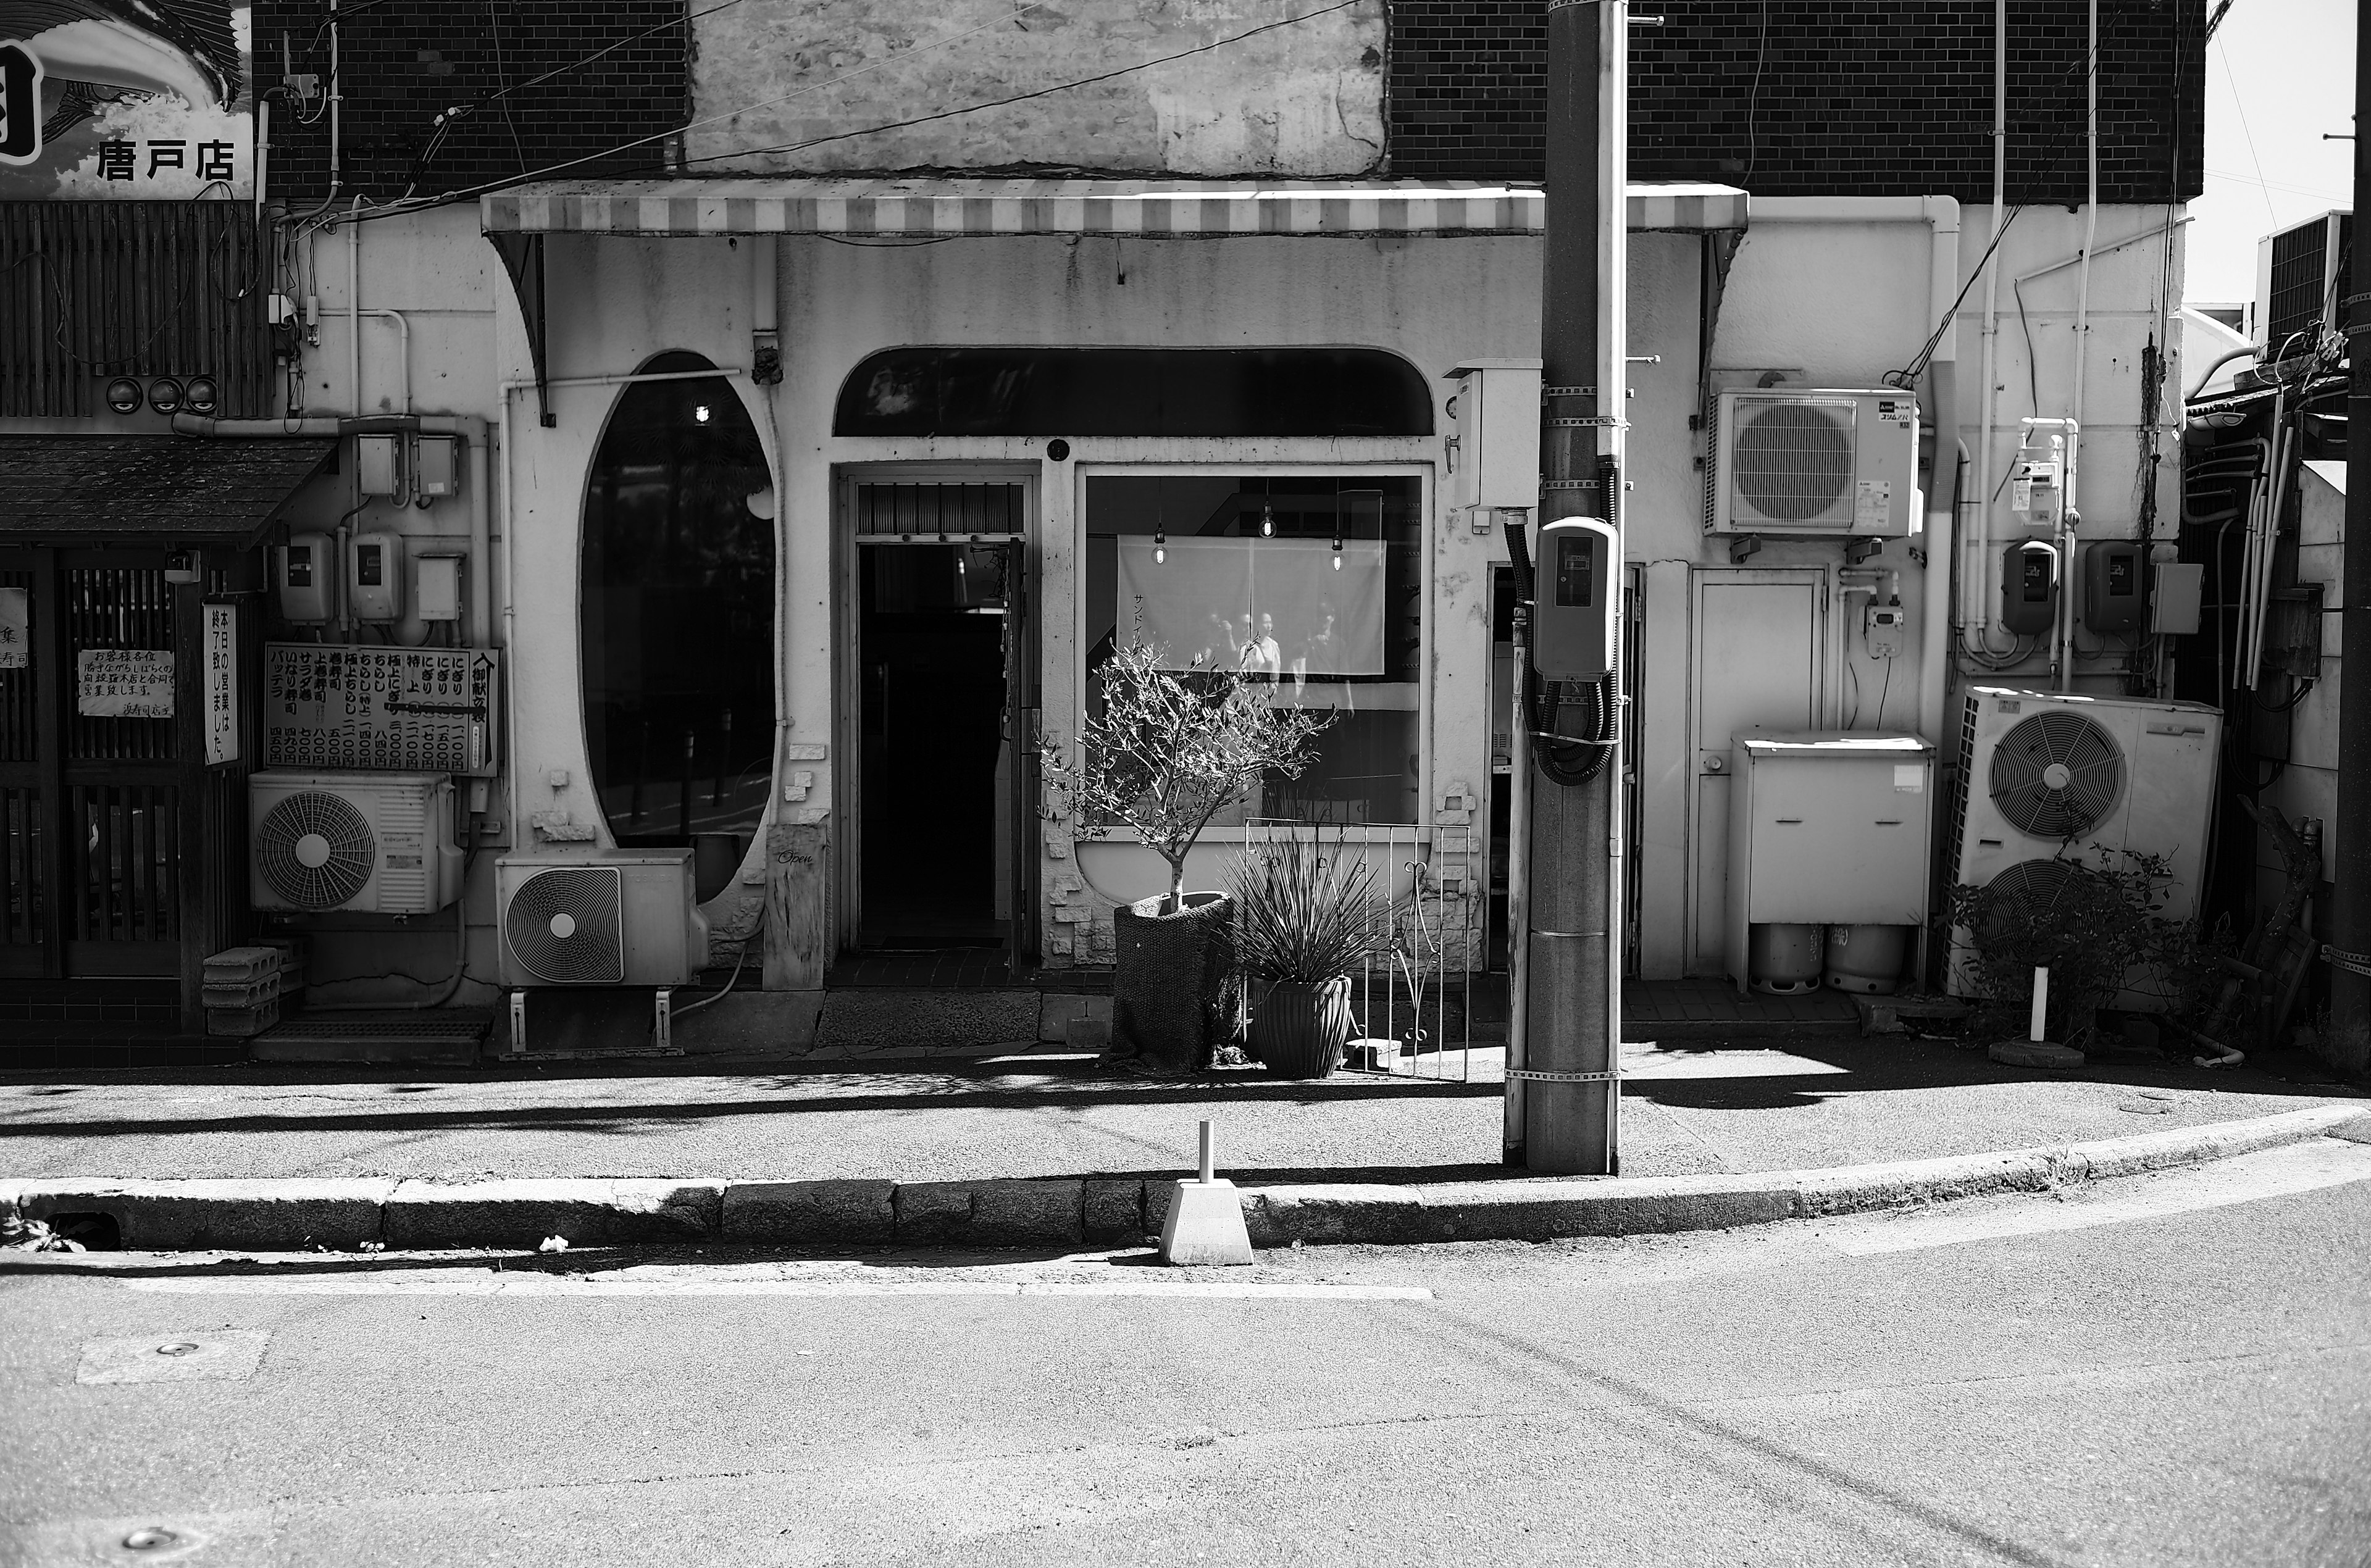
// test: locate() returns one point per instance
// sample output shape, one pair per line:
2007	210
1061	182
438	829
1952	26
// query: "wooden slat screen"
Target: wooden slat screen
129	838
24	851
100	289
117	607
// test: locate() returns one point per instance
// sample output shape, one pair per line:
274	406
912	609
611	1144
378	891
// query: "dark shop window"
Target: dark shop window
678	596
1074	392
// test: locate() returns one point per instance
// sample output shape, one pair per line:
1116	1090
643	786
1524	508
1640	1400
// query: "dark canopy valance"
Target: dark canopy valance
150	489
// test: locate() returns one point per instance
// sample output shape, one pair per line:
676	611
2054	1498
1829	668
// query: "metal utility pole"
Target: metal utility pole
1569	945
2350	924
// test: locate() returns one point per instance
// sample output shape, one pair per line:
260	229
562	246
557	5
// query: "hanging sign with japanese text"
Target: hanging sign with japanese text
16	629
149	101
125	683
404	709
222	684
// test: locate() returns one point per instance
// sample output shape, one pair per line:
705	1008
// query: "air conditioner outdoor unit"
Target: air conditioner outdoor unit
2046	772
373	842
1812	464
621	917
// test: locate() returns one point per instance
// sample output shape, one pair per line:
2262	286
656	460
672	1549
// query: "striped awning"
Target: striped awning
1203	209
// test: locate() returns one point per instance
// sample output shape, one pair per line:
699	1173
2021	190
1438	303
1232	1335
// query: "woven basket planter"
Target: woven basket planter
1173	997
1301	1028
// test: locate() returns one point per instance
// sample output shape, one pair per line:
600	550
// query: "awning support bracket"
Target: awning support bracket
521	257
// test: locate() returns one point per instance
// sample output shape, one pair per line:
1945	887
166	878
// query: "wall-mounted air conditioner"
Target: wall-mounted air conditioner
1792	462
622	917
370	842
2046	777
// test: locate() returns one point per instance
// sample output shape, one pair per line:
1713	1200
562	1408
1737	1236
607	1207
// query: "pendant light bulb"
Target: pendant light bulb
1337	552
1160	547
1268	520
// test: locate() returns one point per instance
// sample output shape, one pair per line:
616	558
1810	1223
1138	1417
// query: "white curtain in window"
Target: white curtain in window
1272	607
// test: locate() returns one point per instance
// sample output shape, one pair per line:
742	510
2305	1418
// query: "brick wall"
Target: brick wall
1854	96
403	61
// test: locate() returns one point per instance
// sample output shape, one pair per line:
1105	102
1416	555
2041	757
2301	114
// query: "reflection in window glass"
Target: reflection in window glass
1308	582
677	613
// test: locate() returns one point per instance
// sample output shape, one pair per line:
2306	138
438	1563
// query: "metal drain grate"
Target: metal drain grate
462	1026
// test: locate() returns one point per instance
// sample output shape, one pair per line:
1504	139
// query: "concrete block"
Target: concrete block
1028	1213
1204	1225
2035	1053
285	1216
522	1213
1278	1216
931	1213
1057	1013
751	1022
1087	1034
1115	1213
804	1212
870	1021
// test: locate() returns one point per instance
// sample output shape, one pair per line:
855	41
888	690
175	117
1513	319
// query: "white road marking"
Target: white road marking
914	1283
2270	1173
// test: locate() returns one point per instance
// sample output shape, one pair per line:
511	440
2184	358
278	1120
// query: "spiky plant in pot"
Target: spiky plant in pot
1305	917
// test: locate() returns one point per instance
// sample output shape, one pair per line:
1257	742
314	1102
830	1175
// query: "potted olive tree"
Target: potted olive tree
1170	750
1304	918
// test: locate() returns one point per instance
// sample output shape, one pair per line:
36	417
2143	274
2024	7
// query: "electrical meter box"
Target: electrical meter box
374	577
377	465
303	585
1496	460
440	469
2111	584
1573	621
436	587
2029	588
2036	484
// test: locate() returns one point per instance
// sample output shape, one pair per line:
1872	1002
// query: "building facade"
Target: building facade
847	381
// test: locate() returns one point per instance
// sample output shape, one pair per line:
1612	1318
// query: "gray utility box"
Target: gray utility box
1827	827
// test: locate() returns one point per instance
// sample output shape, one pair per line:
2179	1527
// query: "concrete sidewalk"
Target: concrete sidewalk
1037	1112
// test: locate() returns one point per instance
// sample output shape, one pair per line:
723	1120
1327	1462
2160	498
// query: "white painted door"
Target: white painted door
1757	664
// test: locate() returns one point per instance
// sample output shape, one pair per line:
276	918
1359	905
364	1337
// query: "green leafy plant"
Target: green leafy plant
2092	929
1172	749
1303	913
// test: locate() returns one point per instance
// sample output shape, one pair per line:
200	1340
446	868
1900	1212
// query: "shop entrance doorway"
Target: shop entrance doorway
941	702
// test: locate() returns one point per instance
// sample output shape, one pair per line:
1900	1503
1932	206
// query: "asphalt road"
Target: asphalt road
2168	1370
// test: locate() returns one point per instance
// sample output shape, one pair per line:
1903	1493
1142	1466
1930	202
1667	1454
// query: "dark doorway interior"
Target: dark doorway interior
932	644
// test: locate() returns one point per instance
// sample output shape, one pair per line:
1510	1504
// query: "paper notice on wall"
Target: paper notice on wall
1872	505
1269	607
16	629
222	684
123	683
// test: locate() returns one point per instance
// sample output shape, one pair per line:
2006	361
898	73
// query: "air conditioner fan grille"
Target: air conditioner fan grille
564	925
2056	774
1793	462
315	850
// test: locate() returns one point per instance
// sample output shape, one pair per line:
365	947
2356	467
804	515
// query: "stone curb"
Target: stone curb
417	1213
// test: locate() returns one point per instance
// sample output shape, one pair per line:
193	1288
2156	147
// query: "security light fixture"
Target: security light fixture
123	394
203	394
163	394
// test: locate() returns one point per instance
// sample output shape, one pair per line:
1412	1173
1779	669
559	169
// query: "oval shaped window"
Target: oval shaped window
676	625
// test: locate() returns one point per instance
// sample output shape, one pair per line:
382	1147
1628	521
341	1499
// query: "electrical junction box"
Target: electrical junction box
2111	584
1573	621
303	585
374	577
436	587
2037	487
1827	827
1496	459
440	467
1884	630
2177	592
2029	588
377	465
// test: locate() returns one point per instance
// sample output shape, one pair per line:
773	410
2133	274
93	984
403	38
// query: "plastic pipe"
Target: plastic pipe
262	148
353	303
403	349
1980	614
2034	1030
1942	543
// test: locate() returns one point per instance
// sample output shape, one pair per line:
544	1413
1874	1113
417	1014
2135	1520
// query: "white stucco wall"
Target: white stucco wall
1827	305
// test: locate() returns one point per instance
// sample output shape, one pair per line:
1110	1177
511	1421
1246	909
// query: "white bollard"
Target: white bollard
2041	1005
1206	1219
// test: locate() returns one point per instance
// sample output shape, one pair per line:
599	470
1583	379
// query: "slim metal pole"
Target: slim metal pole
2349	1047
1572	971
1209	1170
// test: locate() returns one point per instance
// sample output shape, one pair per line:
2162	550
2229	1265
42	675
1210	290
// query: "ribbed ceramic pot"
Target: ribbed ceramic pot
1301	1028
